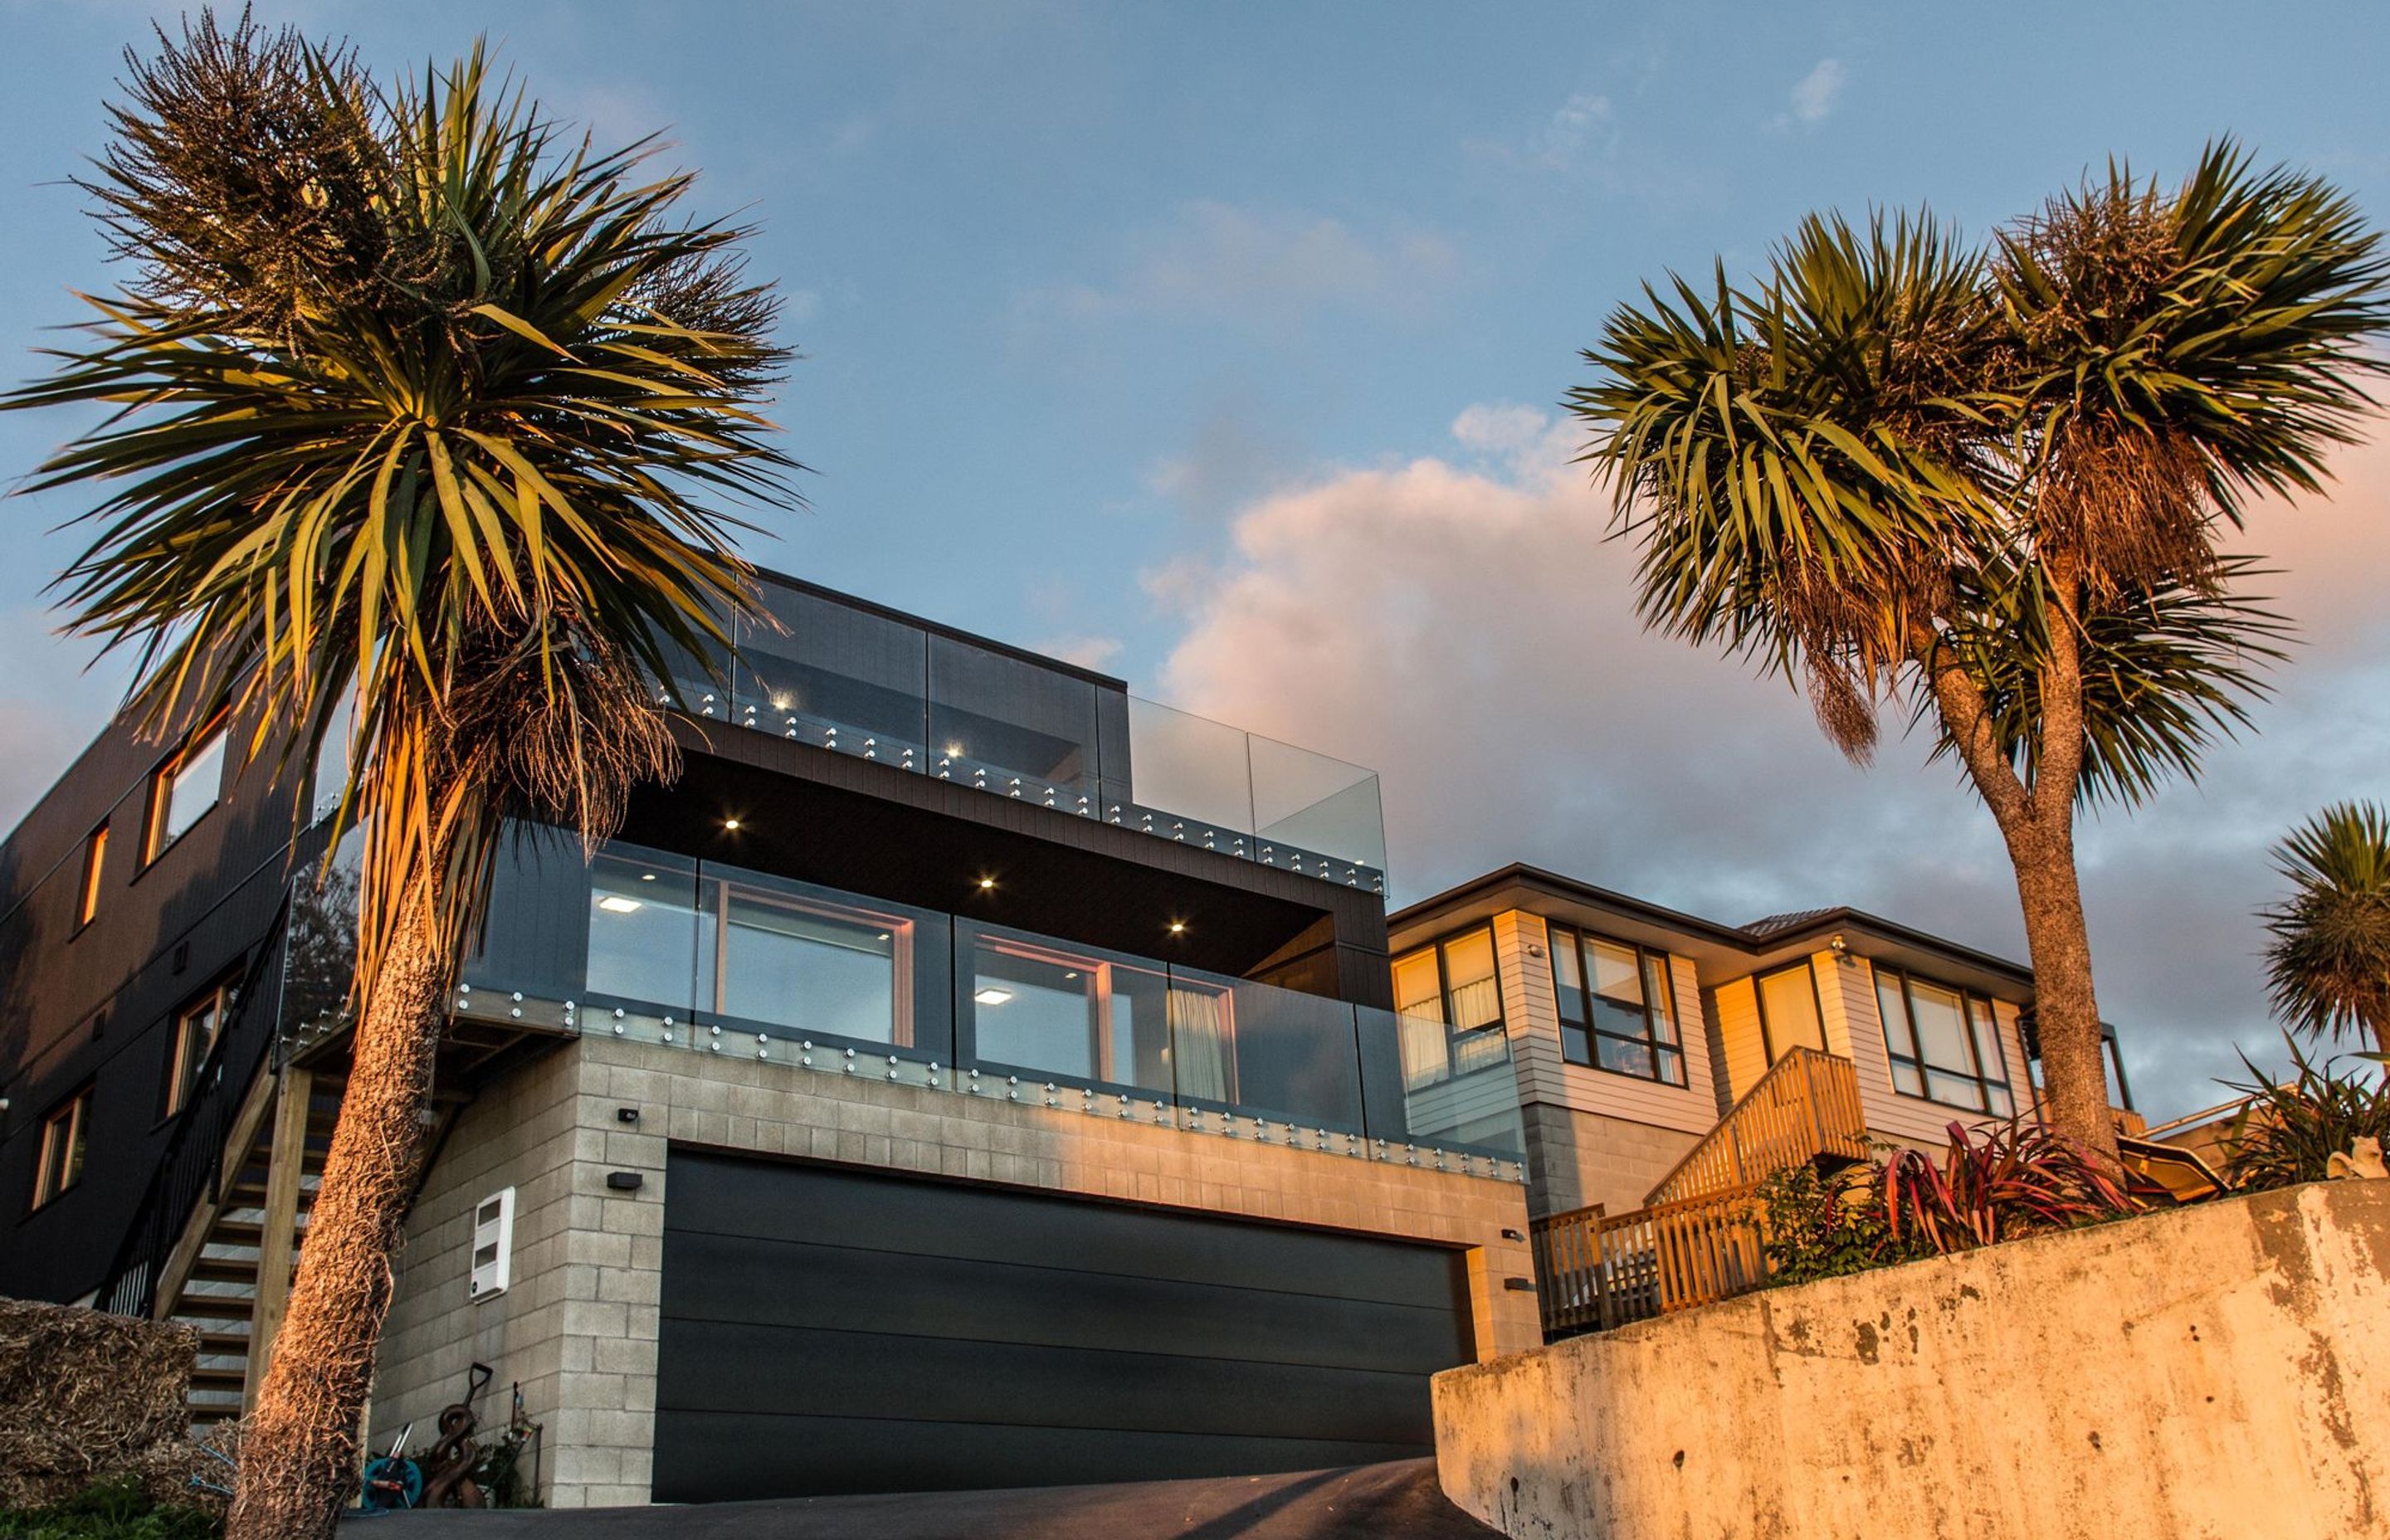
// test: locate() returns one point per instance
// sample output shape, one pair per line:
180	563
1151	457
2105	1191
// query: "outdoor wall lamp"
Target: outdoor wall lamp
623	1181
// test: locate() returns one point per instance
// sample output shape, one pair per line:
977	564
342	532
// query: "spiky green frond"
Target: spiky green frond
2167	670
2327	965
1773	445
473	462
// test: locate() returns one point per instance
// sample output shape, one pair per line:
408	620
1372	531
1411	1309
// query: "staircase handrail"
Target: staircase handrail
1807	1105
191	1168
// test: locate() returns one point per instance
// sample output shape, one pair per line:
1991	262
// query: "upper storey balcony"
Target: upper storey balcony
849	676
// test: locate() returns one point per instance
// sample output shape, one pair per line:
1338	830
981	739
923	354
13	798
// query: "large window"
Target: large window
64	1133
1086	1016
1449	999
1789	1014
751	950
184	787
1617	1009
196	1029
1945	1045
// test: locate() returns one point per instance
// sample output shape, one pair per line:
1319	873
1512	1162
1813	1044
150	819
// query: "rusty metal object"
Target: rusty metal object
448	1469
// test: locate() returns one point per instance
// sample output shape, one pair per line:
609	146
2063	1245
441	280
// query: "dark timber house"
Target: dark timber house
965	1075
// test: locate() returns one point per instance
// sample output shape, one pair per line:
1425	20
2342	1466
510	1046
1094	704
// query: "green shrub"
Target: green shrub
1820	1226
111	1511
2290	1131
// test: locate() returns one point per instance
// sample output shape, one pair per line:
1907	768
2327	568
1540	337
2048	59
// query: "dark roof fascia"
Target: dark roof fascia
1519	874
939	628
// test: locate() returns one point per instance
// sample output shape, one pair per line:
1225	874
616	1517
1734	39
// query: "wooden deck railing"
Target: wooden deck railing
1596	1271
1804	1107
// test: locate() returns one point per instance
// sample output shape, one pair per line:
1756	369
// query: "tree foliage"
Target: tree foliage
414	400
2327	964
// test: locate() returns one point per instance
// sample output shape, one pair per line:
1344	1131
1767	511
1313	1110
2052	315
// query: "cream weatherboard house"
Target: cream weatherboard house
1665	1063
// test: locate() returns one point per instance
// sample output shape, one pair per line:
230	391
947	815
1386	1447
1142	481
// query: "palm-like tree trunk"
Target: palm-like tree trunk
2036	821
2074	1073
299	1448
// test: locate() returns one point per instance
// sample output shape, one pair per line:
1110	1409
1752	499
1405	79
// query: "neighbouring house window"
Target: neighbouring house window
94	866
1945	1045
1449	999
184	787
1617	1009
494	1245
196	1026
1789	1016
64	1133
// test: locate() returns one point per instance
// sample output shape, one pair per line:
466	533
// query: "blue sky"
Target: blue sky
1217	344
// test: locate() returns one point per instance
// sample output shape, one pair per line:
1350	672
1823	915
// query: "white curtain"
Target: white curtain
1201	1042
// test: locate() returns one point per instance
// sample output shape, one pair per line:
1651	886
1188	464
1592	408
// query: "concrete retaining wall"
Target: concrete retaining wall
2210	1372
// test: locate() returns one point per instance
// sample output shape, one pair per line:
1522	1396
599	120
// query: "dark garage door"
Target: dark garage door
829	1330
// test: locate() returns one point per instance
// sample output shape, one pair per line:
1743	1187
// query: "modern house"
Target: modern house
1666	1064
968	1075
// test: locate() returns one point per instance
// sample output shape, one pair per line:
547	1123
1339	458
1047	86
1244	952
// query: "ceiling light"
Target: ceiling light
615	903
992	996
730	823
987	884
1178	927
1071	974
954	750
646	877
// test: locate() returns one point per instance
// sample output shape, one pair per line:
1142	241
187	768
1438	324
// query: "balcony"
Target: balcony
817	667
700	957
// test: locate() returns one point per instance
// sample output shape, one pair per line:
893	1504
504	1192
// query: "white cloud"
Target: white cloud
1462	623
1813	96
1221	260
1582	122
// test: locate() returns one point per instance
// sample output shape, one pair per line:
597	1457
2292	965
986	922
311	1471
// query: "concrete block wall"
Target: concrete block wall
579	1325
1576	1159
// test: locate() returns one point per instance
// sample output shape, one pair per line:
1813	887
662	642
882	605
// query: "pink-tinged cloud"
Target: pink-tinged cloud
1461	623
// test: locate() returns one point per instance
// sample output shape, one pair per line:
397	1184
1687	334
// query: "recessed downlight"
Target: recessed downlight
992	996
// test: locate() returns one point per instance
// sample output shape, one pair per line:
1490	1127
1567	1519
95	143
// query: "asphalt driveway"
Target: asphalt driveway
1399	1501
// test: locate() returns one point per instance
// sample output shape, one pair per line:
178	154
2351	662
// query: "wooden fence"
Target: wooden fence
1805	1107
1596	1271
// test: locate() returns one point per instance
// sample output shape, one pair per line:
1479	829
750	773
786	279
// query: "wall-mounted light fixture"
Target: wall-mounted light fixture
624	1181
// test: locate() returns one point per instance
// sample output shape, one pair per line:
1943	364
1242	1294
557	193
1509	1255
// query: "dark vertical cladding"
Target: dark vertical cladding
93	1004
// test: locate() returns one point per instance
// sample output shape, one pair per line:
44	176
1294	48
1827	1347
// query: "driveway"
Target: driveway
1399	1501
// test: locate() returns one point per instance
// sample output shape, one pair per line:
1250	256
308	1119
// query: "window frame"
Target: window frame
182	1067
1925	1070
74	1113
1759	1007
211	737
95	871
1579	939
1497	1030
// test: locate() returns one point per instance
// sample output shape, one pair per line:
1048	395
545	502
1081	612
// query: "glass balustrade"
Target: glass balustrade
815	668
660	948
